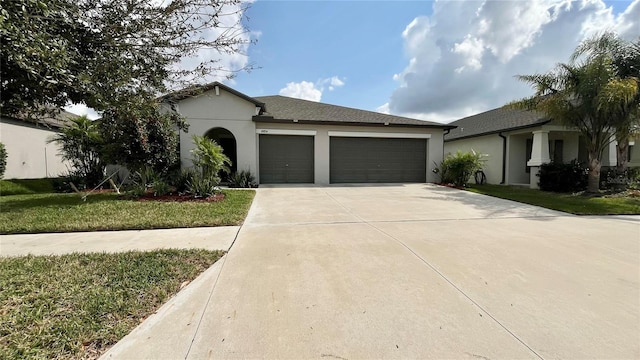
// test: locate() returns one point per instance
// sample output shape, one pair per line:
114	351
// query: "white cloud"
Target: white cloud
303	90
334	82
462	59
384	108
311	91
82	109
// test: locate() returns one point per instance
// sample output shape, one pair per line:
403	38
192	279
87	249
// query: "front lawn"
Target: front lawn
579	204
76	306
68	212
25	186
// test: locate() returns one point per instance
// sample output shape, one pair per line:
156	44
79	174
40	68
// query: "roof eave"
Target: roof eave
269	119
499	131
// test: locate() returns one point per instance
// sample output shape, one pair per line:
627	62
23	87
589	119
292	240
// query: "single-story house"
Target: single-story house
517	142
29	154
286	140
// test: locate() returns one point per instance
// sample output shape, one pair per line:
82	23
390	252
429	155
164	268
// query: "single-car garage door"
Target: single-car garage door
377	160
286	159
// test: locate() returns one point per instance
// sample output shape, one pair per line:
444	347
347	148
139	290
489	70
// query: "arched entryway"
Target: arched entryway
227	141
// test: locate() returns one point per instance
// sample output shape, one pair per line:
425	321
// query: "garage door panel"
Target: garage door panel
286	159
377	160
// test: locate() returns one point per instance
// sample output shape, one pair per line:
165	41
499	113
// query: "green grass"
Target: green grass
25	186
68	212
579	204
76	306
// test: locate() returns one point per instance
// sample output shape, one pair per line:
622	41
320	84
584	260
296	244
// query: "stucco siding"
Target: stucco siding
322	141
634	153
490	145
29	155
228	111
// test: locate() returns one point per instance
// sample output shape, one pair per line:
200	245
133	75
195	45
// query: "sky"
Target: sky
431	60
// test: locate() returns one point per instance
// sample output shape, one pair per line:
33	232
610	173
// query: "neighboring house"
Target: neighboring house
286	140
517	142
29	155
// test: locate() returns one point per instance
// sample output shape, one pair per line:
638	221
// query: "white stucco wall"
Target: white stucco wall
322	141
490	145
634	161
208	111
233	113
29	156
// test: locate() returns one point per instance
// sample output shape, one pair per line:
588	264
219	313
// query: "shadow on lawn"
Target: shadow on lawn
54	201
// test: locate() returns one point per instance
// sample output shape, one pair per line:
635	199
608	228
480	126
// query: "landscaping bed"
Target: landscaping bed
77	306
38	213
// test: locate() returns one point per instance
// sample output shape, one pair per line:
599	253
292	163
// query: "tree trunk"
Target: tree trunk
594	174
622	150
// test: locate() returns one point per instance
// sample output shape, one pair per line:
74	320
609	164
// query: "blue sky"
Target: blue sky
362	44
359	42
431	60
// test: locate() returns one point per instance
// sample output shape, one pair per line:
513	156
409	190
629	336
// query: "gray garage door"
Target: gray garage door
377	160
286	159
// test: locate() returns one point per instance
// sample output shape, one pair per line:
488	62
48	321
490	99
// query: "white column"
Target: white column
539	155
610	157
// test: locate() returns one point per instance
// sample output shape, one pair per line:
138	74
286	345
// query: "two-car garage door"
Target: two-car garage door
377	160
290	159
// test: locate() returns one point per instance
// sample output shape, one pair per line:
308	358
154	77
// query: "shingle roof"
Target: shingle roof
59	121
285	109
495	121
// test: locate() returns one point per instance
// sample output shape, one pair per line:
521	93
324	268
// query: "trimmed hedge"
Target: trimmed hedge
3	160
559	177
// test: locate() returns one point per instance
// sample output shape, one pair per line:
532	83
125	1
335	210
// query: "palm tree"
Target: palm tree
574	94
80	144
621	101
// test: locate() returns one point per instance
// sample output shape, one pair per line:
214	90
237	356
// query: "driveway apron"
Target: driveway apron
419	271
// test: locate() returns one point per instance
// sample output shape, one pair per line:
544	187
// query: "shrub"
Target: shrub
81	144
457	169
142	136
3	160
209	158
242	179
202	186
559	177
611	179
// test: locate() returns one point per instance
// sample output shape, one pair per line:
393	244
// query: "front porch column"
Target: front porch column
539	155
611	155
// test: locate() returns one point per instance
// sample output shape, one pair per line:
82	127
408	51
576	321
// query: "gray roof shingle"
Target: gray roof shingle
285	109
495	121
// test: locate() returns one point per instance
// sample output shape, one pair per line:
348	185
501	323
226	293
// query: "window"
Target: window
558	147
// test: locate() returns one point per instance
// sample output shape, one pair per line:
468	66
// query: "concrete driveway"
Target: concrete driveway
407	271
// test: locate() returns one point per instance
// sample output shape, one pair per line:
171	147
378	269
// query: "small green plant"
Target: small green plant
242	179
202	187
3	160
457	169
208	158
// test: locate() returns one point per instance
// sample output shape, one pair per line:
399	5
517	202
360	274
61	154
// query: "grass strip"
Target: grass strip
76	306
579	204
25	186
39	213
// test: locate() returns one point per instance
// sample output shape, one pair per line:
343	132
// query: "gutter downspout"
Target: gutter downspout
445	133
504	158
